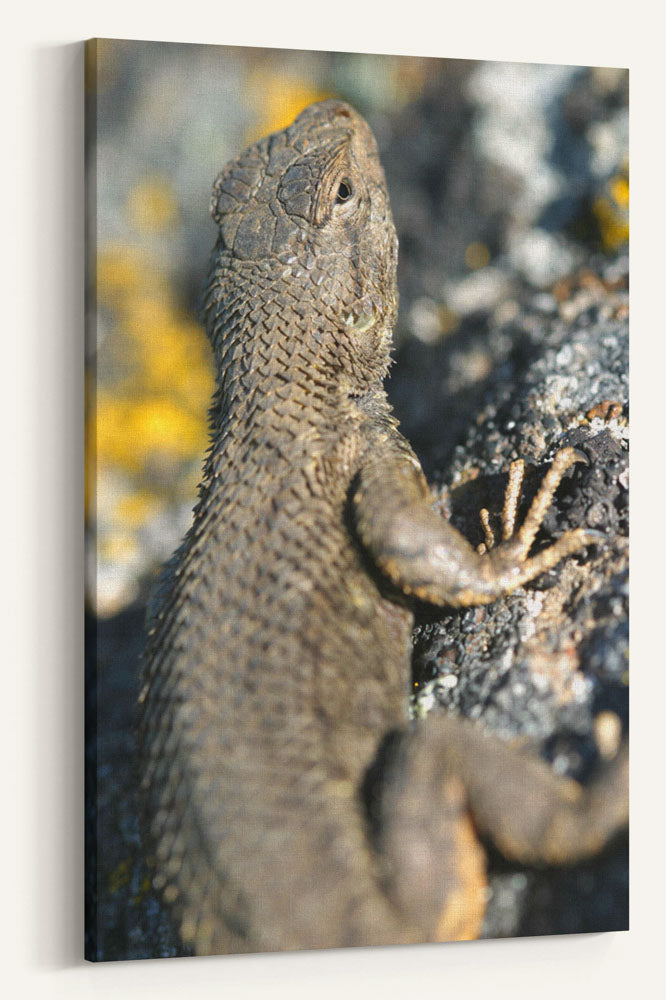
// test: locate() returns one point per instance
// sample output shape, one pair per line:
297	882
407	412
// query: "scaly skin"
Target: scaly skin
288	804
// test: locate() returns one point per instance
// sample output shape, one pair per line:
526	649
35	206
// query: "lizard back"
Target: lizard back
274	664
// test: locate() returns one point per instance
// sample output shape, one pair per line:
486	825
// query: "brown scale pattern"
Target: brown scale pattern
277	664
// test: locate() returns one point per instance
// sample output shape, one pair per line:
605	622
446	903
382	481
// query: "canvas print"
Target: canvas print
357	500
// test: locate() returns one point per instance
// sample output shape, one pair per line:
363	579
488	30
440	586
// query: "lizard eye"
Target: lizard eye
344	192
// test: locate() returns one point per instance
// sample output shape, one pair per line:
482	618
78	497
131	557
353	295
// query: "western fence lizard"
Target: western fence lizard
289	803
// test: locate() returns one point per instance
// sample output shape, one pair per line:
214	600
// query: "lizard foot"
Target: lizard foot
508	564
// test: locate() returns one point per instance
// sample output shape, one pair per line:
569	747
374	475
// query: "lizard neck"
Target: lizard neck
275	394
274	342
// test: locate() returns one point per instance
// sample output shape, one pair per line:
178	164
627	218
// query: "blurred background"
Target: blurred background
501	176
505	179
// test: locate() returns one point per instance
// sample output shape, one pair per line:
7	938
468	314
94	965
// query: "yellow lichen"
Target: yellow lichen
146	422
612	212
279	98
152	205
134	509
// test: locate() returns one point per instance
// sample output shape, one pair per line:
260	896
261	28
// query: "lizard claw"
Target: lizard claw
578	455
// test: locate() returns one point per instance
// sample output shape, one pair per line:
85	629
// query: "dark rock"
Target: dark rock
544	662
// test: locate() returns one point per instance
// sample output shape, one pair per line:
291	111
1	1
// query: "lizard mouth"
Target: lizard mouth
359	321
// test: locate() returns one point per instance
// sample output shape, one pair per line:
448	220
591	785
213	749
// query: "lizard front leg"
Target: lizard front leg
426	557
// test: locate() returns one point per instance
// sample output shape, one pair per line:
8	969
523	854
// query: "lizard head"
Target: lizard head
304	218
